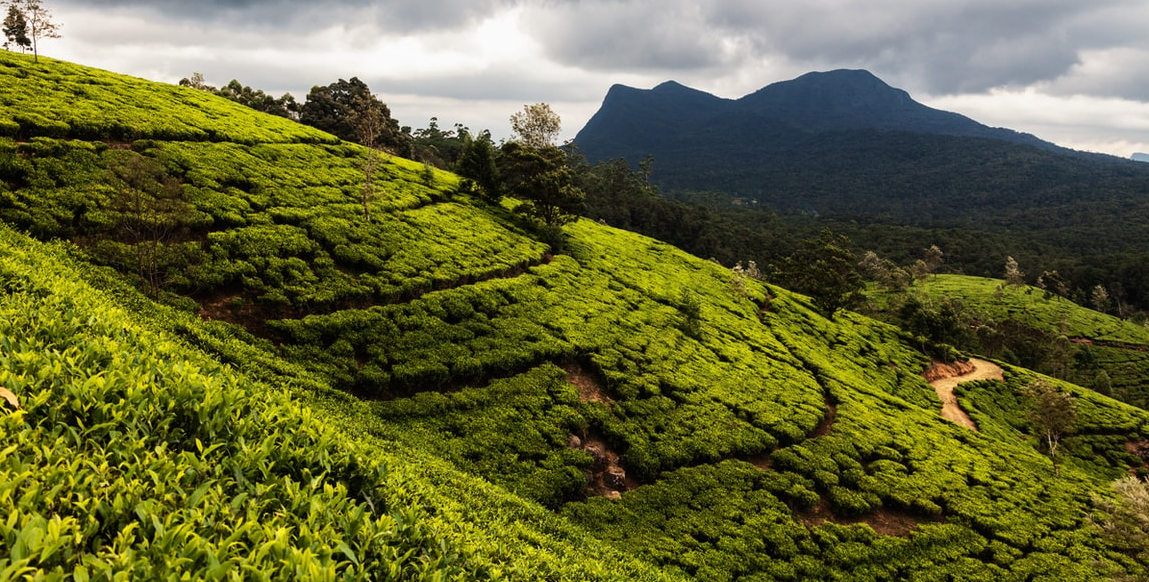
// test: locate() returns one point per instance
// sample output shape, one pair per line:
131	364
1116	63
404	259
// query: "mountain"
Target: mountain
844	144
224	368
1140	157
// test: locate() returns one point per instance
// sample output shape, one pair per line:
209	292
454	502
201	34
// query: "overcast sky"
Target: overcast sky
1068	71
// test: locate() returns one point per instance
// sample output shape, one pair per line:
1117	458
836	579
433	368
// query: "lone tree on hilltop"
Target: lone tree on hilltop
38	23
536	125
16	29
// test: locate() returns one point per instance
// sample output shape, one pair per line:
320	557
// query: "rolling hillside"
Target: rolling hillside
1045	330
442	358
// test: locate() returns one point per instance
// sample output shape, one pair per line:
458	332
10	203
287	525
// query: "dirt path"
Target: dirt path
944	378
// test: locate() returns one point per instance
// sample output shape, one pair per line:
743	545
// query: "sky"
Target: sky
1068	71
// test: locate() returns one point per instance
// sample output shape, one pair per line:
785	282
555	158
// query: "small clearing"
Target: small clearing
945	377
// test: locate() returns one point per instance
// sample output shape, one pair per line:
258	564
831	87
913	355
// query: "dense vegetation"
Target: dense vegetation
134	454
688	415
1027	326
890	176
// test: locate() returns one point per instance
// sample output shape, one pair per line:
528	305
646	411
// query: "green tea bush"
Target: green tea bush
134	455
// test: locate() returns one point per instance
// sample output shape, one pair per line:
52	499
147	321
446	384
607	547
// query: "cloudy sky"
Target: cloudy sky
1069	71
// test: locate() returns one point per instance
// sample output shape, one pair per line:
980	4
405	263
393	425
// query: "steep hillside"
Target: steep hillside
134	454
709	424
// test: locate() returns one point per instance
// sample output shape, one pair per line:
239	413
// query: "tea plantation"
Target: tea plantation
299	391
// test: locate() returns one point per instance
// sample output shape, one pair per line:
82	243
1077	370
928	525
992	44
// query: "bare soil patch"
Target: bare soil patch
884	521
607	476
827	422
945	377
589	387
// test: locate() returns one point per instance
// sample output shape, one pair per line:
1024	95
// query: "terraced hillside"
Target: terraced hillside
707	424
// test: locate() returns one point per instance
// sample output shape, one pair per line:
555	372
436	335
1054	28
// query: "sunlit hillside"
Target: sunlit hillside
433	388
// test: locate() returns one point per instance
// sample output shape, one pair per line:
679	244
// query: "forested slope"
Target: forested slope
691	417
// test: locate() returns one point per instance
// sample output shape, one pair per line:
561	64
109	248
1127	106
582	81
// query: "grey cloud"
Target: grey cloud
389	16
624	35
939	48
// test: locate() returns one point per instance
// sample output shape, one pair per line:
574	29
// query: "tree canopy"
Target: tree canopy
543	180
16	29
334	108
824	268
536	125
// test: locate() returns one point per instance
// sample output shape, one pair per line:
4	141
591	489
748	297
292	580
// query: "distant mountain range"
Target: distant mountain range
815	102
846	144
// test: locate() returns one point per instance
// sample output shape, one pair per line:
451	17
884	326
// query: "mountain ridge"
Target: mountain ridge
837	100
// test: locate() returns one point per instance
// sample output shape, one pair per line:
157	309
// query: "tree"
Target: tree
369	119
1052	413
39	23
1013	274
150	208
1053	284
1100	298
536	125
438	147
16	29
334	108
542	179
1124	521
284	106
477	165
824	268
933	258
196	81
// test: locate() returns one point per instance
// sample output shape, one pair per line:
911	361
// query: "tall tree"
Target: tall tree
536	125
477	164
826	269
1013	274
40	23
16	29
369	119
150	208
543	180
333	108
1052	413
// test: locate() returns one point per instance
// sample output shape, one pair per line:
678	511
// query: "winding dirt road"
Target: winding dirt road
944	378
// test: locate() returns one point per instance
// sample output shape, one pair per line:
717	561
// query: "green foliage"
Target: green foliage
540	178
133	453
826	270
341	107
477	164
759	438
60	99
1046	333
